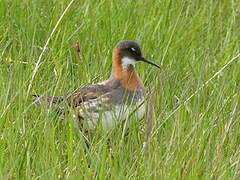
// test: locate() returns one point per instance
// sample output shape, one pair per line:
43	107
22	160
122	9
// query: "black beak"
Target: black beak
149	62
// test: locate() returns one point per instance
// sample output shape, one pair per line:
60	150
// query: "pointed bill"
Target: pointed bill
149	62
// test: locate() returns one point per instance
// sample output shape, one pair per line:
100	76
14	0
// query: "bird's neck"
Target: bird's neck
126	74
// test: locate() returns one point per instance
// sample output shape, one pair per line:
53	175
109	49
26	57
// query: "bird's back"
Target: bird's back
111	90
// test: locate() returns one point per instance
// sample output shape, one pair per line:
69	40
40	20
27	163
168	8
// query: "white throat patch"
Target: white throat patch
127	61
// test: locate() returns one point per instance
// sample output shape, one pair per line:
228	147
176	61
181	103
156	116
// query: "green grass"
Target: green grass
191	40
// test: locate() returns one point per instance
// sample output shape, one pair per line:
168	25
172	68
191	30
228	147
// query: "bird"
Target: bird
111	101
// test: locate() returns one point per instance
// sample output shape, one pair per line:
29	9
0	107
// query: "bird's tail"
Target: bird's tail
47	100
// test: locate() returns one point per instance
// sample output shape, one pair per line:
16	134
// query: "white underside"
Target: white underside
110	119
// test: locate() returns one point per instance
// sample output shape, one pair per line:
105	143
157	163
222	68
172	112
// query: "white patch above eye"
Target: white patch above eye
133	49
126	61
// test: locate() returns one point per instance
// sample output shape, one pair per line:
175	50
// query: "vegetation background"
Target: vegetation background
196	124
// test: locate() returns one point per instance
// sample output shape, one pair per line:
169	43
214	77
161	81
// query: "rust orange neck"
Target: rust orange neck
128	77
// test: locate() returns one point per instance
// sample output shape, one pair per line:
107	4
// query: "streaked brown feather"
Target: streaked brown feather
86	93
78	96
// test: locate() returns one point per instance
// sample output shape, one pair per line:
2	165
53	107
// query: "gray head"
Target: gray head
130	53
